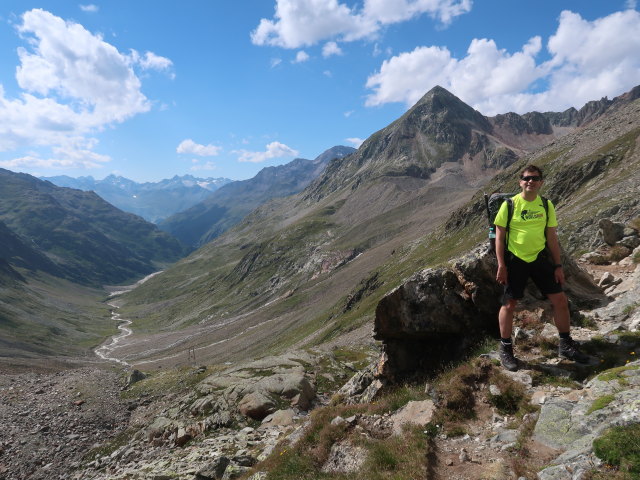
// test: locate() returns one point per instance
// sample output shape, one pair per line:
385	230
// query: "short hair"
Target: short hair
531	168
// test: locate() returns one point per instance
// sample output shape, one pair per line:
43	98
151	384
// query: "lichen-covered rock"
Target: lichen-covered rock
345	458
571	425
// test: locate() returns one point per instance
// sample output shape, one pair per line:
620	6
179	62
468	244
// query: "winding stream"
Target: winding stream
105	351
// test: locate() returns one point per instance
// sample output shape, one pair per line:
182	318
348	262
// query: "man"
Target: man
521	255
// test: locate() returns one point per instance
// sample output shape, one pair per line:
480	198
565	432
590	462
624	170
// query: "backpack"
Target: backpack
493	203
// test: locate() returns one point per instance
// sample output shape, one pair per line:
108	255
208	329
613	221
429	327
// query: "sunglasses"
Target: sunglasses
535	178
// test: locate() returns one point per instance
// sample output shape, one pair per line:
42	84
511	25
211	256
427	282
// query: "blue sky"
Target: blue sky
151	89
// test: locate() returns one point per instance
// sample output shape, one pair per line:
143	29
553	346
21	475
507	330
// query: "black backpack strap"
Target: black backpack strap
509	215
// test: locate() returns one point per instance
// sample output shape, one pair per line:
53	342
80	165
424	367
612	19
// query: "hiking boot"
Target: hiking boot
568	349
507	359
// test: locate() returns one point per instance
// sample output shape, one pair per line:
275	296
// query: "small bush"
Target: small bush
618	252
620	446
512	397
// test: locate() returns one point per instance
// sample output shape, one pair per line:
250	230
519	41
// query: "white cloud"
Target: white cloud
331	48
348	113
64	157
589	60
355	141
298	23
74	85
327	73
151	61
89	8
189	147
301	56
197	167
273	150
275	62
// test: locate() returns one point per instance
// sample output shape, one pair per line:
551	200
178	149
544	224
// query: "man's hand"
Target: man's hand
501	276
559	275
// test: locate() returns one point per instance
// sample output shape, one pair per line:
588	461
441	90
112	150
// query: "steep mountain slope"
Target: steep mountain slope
312	267
229	204
84	238
153	201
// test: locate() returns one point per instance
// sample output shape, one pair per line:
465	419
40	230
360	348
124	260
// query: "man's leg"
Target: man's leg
567	348
505	318
560	311
505	321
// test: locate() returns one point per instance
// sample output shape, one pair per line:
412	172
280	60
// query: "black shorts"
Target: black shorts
541	271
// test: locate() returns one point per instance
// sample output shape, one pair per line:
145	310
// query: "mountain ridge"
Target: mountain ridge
229	204
153	201
83	238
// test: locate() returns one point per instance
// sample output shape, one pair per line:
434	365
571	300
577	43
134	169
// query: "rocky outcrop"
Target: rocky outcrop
571	423
440	313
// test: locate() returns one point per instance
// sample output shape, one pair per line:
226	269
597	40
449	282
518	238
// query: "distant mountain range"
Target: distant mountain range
232	202
153	201
76	235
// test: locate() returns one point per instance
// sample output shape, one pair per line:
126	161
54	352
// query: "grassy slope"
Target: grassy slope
49	317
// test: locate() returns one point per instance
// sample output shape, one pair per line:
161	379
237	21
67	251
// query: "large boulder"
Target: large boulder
438	314
611	232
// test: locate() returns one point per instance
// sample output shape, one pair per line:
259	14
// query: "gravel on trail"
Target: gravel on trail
50	421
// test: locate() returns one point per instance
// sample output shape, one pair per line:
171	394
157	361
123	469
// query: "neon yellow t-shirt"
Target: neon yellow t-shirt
526	236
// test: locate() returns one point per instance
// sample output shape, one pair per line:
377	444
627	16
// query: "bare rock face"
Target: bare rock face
440	313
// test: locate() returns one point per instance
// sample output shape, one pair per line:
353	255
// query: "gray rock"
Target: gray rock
135	376
234	471
611	232
244	460
215	470
415	413
344	458
630	242
256	405
555	427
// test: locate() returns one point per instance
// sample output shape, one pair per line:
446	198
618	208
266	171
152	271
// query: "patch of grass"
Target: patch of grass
457	391
121	439
615	374
166	381
629	309
395	457
382	458
600	403
543	378
397	398
512	397
398	457
620	447
358	357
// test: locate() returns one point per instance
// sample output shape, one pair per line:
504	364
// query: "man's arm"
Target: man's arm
554	248
501	275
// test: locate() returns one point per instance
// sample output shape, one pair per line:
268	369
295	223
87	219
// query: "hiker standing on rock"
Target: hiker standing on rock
521	254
